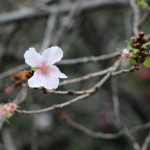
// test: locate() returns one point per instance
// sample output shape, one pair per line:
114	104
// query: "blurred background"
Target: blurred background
82	28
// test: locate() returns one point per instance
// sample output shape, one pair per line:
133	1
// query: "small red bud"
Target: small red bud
141	34
63	116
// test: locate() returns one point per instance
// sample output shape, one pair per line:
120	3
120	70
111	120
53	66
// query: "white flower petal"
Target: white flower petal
55	72
32	58
52	55
36	80
39	79
50	82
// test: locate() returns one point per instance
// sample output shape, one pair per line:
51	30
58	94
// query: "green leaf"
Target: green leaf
135	50
33	69
142	4
132	61
41	88
6	118
128	44
146	63
134	53
146	44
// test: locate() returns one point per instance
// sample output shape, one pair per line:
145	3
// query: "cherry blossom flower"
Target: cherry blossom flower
6	111
46	74
9	108
125	55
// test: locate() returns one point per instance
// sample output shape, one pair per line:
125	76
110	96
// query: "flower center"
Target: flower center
44	68
127	55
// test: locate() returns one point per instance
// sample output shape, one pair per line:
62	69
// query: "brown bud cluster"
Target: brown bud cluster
23	75
18	79
139	43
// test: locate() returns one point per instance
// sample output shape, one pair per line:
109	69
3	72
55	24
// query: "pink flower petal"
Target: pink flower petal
32	58
50	82
55	72
36	80
52	55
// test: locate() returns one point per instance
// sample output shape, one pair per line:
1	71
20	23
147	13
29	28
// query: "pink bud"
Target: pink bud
125	55
12	107
9	89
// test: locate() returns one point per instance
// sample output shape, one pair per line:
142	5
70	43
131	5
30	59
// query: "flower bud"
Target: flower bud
63	116
146	54
136	45
125	55
144	48
141	34
134	39
144	40
7	110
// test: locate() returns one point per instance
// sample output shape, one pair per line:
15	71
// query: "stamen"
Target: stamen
44	68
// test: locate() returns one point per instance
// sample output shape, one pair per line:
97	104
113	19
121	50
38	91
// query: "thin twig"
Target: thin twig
51	22
92	133
146	142
115	98
98	85
88	59
68	22
135	17
128	134
102	135
54	106
21	96
92	75
8	140
144	18
115	101
121	71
